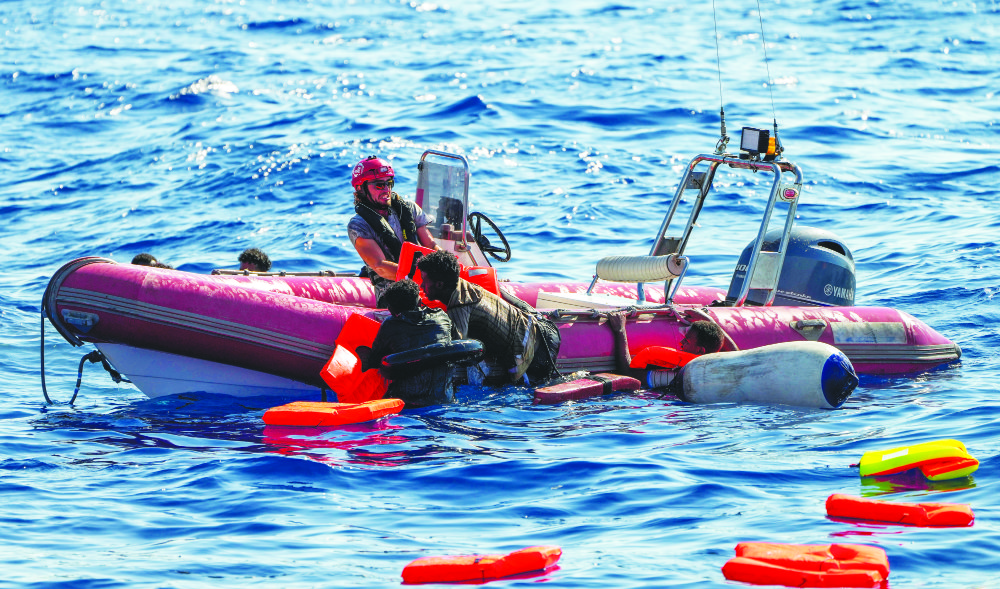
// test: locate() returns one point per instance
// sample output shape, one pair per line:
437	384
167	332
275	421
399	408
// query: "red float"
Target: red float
320	414
914	514
480	567
808	565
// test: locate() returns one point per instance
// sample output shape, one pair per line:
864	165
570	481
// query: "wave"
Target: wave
213	85
294	22
469	109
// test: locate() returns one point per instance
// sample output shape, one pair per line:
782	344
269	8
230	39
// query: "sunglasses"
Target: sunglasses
382	184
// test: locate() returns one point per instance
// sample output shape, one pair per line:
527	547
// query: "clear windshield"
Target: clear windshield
441	194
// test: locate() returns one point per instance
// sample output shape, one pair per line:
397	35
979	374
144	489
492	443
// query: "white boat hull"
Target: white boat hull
159	374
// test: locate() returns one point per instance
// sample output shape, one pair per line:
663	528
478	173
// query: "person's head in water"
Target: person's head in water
373	179
703	337
144	259
402	296
254	260
439	273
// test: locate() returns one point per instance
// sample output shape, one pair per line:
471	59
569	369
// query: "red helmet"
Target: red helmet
371	168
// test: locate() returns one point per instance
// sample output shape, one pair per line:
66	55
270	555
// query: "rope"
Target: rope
79	376
95	356
45	392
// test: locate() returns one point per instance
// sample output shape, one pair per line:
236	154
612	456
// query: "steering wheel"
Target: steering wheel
475	224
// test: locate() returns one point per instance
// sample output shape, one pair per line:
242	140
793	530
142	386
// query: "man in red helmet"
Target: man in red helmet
383	222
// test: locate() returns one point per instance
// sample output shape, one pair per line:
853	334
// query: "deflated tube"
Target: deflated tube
806	374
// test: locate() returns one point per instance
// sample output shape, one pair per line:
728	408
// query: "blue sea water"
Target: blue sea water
195	129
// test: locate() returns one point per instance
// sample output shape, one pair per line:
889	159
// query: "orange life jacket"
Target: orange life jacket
484	276
318	414
661	357
342	372
480	567
914	514
807	565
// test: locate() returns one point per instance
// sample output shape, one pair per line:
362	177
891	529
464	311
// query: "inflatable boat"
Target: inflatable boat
248	334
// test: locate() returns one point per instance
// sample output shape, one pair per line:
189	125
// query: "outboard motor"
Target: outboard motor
818	270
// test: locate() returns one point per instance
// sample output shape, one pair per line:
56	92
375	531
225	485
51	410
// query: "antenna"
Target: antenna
777	142
720	147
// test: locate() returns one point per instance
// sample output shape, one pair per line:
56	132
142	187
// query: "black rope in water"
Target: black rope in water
45	392
79	374
93	357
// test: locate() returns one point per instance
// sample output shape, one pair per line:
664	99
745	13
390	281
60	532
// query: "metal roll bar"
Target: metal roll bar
703	181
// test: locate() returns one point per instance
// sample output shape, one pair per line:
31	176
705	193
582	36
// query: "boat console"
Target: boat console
443	194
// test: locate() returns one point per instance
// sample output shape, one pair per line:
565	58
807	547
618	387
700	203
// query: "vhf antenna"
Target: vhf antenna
720	147
770	87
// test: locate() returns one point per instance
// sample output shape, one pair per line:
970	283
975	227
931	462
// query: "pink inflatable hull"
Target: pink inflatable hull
287	326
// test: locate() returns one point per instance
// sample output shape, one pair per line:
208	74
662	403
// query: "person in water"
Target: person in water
413	326
255	260
702	337
512	332
145	259
383	222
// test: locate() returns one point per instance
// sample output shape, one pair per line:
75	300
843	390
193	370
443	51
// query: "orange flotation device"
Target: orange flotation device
938	460
484	276
808	565
661	357
409	255
318	414
914	514
480	567
342	372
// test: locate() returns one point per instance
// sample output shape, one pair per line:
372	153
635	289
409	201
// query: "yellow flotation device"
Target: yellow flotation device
938	461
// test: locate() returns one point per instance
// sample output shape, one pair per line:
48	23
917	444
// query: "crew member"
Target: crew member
512	332
383	222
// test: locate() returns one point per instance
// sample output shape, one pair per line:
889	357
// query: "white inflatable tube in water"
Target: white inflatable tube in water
806	374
